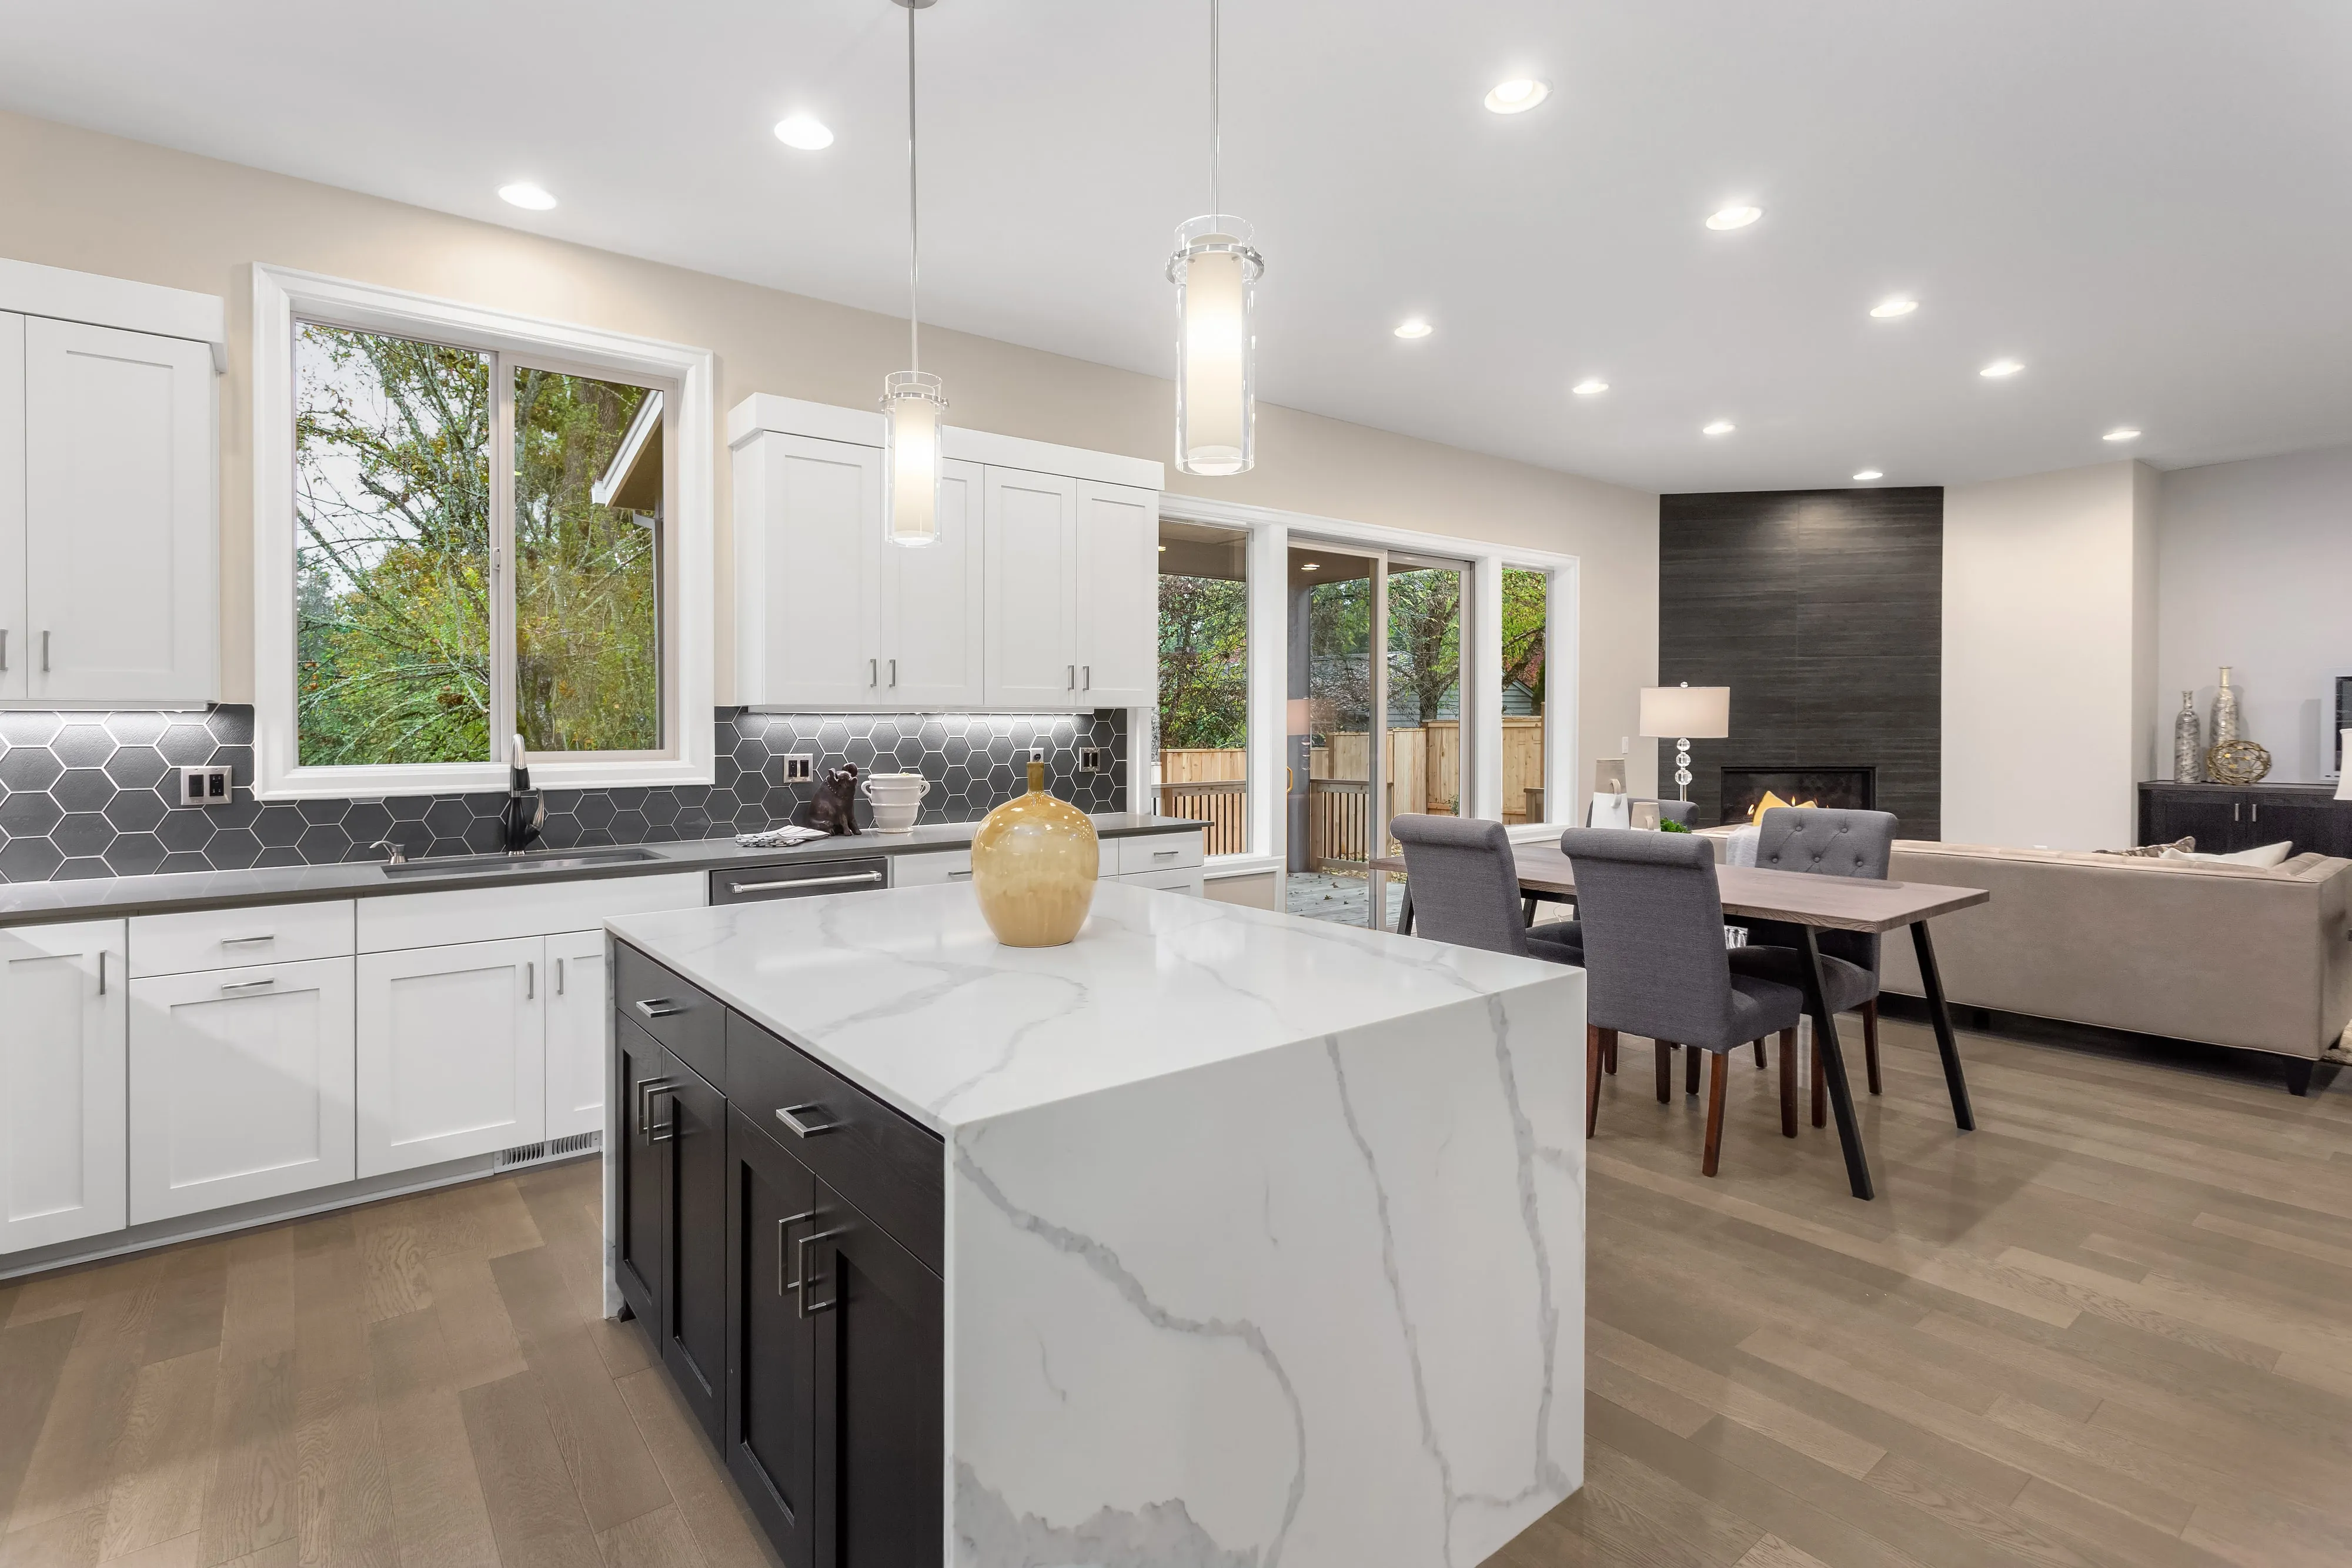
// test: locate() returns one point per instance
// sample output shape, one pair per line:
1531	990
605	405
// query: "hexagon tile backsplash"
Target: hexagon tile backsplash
96	794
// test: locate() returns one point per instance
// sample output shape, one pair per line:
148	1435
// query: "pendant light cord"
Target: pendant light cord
914	213
1216	133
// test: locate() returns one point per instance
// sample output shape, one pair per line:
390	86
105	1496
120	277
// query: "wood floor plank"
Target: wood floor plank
258	1315
191	1299
164	1462
534	1508
73	1458
393	1269
66	1540
343	1508
253	1497
475	1328
32	1359
330	1323
438	1509
723	1530
657	1540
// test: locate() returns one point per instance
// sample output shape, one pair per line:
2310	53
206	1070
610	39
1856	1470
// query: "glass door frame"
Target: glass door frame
1376	763
1466	569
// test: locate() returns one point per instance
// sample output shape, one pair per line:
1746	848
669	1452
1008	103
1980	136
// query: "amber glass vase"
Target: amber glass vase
1034	863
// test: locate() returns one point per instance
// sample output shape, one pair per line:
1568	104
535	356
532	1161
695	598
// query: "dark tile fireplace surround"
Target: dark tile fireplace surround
1843	788
96	794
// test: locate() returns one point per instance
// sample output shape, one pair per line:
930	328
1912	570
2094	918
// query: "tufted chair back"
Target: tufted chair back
1825	843
1465	885
1652	935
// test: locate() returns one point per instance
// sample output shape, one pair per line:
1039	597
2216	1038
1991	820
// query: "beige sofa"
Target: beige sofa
2233	955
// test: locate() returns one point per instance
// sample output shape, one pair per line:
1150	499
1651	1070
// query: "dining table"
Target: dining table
1812	902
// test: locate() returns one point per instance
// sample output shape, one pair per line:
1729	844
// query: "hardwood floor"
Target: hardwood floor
2109	1328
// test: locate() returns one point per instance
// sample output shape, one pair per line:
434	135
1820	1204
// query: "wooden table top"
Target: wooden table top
1831	903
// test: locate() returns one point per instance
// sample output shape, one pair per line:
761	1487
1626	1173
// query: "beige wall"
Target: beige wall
1256	890
98	203
2049	656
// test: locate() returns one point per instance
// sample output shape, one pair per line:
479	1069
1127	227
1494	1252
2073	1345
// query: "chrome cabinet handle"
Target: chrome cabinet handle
1088	669
790	1115
248	985
530	981
660	1007
784	1226
1074	677
101	971
45	653
1163	854
663	1132
647	1089
4	647
894	672
863	876
959	876
872	672
559	976
804	1307
246	941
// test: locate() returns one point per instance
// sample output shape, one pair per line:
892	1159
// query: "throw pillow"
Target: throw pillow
2261	855
2151	852
1771	802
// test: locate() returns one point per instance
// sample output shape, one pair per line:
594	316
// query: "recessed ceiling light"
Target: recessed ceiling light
1590	386
1888	309
1733	217
1310	566
1518	96
1415	328
1163	549
1720	427
2000	368
523	194
1867	475
2121	433
804	132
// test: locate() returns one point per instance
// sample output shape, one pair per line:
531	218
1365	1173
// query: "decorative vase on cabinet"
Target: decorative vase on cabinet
2225	711
1034	865
2187	746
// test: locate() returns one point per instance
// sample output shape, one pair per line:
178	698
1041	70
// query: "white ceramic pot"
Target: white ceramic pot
896	798
895	816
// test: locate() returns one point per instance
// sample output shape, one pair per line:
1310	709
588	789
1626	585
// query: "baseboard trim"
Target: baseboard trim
2206	1056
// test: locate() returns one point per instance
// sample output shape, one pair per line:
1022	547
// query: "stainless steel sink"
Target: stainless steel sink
522	864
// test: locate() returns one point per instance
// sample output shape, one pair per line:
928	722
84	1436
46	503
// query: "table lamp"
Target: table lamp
1683	714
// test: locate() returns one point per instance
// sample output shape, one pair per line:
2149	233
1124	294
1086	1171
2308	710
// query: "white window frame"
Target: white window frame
1270	532
687	377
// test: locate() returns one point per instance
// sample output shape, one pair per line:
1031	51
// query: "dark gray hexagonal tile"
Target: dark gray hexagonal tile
629	798
661	807
136	728
859	752
81	868
486	837
135	854
367	821
29	767
30	814
630	828
748	788
279	826
232	849
186	746
447	818
323	844
231	724
486	803
240	812
693	823
724	772
282	857
955	749
595	810
28	859
408	808
323	813
136	768
82	834
182	861
136	811
187	828
83	790
440	847
30	728
83	745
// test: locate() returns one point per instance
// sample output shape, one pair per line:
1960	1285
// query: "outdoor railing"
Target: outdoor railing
1339	824
1222	803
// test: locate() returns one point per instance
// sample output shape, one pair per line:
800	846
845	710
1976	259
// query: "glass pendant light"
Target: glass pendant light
1215	273
912	399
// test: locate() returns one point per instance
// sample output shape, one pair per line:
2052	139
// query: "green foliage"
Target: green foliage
1203	664
1523	630
1426	642
1668	825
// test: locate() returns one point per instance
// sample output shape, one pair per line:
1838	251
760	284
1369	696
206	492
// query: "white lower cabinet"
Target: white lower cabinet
452	1053
576	1033
62	1082
240	1085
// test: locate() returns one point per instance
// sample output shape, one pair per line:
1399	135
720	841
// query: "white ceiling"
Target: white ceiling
2144	200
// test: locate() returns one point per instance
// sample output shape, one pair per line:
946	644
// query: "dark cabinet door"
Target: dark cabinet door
879	1397
2176	814
644	1169
691	1123
2311	823
773	1213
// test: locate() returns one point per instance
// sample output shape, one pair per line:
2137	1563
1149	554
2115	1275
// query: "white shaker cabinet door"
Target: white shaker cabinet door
12	505
1118	596
931	605
121	588
452	1053
241	1086
808	565
576	1033
1032	531
63	1119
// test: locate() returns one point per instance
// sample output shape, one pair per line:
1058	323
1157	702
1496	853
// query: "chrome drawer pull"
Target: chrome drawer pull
647	1089
661	1008
790	1115
246	941
863	876
1163	854
804	1306
784	1227
248	985
959	876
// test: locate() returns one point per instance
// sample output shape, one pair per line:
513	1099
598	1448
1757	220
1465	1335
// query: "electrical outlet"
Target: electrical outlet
206	787
1036	754
1090	760
800	768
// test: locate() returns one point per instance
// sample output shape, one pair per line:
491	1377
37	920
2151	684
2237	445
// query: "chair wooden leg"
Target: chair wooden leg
1593	1033
1759	1053
1718	1061
1665	1071
1690	1070
1609	1051
1869	1041
1820	1088
1788	1084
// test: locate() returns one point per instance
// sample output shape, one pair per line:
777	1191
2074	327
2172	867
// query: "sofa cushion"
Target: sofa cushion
2264	855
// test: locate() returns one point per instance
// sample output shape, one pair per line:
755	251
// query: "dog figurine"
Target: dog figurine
835	806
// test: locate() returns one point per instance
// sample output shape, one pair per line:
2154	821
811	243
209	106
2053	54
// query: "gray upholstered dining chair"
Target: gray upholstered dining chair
1822	842
1465	890
1656	966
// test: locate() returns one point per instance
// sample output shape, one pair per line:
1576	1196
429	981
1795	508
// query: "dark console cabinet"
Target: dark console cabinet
781	1240
2224	818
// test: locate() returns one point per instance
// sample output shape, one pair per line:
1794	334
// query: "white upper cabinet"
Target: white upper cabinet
1118	596
1033	584
63	1084
932	606
11	506
808	572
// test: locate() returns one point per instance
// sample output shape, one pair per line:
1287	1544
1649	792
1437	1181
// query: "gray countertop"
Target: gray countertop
99	898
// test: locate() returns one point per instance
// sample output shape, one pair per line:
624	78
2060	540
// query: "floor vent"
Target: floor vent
554	1149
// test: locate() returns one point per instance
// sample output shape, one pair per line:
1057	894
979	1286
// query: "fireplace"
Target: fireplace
1847	788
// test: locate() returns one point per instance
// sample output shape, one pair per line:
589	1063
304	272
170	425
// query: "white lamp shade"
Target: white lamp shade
1685	713
2344	776
1215	274
913	405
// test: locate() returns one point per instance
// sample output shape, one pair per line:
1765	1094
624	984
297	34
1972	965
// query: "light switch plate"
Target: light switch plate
800	766
208	786
1089	758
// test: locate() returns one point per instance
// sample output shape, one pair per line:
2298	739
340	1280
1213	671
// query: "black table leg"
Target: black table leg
1941	1015
1833	1066
1404	912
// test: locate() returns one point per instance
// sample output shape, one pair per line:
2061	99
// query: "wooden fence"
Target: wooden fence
1222	803
1339	824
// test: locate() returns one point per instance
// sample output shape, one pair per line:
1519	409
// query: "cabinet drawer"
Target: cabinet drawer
499	914
892	1170
931	870
1157	851
813	879
1183	879
1109	851
237	938
682	1017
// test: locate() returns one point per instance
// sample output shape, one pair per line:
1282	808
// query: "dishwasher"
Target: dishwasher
752	885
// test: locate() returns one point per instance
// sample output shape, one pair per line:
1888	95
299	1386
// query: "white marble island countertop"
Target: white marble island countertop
1264	1237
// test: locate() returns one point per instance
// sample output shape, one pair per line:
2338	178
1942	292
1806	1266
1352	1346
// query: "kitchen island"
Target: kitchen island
1216	1236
